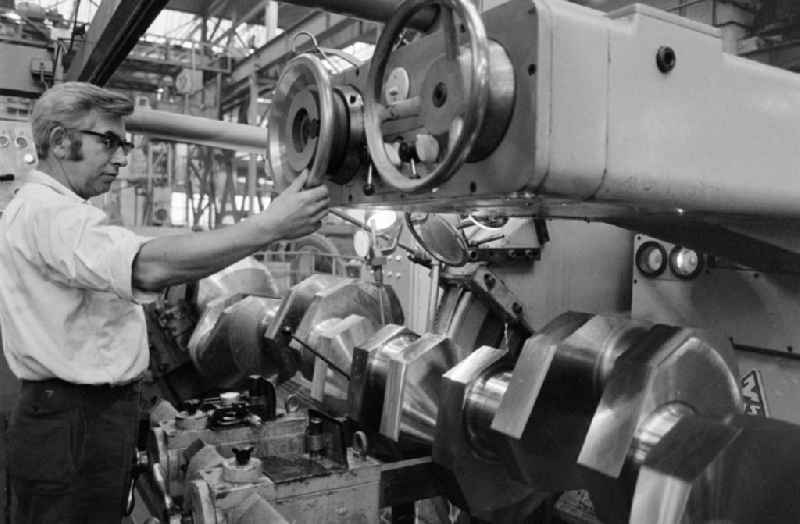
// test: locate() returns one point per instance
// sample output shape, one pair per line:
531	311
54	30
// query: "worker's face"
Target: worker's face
92	162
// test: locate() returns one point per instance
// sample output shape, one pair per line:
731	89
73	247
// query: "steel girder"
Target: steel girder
114	30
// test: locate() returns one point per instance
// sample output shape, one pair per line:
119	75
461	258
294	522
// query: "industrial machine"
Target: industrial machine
605	202
634	272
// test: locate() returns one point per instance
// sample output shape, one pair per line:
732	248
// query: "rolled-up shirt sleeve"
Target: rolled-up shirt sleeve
76	246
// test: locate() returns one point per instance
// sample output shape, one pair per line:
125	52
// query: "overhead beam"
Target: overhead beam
114	30
374	10
243	20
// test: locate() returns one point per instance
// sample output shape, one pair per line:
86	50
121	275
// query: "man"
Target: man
70	305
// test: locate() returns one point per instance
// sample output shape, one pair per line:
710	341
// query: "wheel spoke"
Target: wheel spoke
456	127
402	109
450	35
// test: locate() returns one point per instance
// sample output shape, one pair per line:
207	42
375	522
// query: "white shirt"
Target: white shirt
67	306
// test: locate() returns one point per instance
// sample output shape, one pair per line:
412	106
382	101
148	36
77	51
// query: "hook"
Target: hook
315	46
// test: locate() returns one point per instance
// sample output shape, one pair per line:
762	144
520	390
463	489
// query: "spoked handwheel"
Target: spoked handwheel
449	106
301	123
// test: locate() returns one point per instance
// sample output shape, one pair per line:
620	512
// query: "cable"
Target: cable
326	360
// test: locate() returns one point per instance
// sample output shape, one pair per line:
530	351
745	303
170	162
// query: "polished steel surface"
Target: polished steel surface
666	365
334	340
755	478
248	276
481	404
485	484
235	347
556	383
676	452
296	304
653	429
466	320
433	295
291	312
530	372
348	157
411	395
500	103
376	303
369	371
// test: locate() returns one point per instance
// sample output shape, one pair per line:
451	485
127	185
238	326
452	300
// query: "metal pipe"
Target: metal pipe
198	130
433	295
373	10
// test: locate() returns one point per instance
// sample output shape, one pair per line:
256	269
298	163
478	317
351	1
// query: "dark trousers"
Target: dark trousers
70	452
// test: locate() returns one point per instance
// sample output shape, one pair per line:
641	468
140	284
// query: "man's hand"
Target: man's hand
296	212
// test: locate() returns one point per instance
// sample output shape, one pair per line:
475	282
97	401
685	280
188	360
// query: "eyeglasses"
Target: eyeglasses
111	141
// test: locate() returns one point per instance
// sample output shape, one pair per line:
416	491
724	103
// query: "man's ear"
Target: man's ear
59	142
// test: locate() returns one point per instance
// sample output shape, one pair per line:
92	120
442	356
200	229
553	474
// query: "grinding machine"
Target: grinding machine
607	205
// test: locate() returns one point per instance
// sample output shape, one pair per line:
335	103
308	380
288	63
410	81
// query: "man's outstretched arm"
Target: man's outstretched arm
170	260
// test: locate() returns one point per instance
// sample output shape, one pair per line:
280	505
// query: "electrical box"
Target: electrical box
17	157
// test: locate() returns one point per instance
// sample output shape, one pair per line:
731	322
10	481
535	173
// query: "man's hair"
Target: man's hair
67	105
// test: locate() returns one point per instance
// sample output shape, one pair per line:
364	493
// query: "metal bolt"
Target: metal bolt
360	444
665	59
516	308
242	455
489	280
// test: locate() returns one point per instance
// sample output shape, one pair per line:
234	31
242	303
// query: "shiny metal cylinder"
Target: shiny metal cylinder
499	104
197	130
374	10
418	422
235	346
480	406
591	362
379	364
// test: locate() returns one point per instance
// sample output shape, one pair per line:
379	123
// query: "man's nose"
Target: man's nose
119	158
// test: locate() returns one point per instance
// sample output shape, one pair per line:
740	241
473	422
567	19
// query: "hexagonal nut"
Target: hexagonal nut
666	364
368	373
452	449
411	395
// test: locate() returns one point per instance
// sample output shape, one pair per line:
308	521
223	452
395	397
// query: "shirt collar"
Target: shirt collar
40	177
